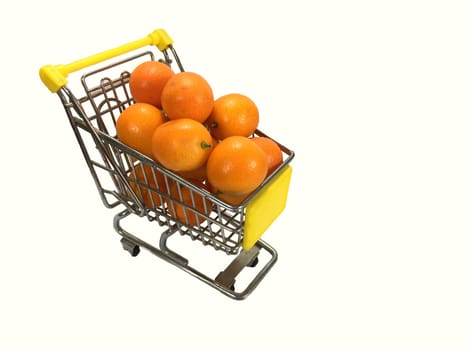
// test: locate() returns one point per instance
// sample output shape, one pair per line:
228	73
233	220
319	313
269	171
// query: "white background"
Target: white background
371	95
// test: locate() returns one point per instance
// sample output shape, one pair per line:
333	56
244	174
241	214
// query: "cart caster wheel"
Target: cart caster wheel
130	247
232	287
253	262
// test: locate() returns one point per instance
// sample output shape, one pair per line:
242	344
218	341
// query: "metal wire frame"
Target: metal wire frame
154	195
216	225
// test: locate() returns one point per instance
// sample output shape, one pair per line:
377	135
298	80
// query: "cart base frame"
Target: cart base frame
224	282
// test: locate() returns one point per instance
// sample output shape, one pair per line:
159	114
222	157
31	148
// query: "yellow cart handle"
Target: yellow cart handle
55	77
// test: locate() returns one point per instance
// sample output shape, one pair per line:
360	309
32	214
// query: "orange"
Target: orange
136	124
181	144
145	181
192	204
195	174
198	173
272	151
187	95
236	166
230	199
147	81
233	115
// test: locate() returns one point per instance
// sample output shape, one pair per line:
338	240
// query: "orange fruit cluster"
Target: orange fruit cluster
176	121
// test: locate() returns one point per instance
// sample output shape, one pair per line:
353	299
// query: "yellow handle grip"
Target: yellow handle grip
55	77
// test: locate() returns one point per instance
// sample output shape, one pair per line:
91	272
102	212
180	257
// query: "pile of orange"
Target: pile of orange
176	121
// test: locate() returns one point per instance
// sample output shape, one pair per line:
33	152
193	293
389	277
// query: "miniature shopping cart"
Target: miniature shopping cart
234	230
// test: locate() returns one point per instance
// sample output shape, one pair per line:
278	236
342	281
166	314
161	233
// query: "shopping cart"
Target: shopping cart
235	230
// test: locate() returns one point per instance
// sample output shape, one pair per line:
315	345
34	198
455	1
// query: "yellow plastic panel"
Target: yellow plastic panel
266	207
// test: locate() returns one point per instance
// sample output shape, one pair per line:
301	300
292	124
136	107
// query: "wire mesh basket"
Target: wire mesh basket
127	178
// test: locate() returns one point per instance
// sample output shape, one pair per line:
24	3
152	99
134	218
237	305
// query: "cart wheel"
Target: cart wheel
130	247
253	262
232	287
